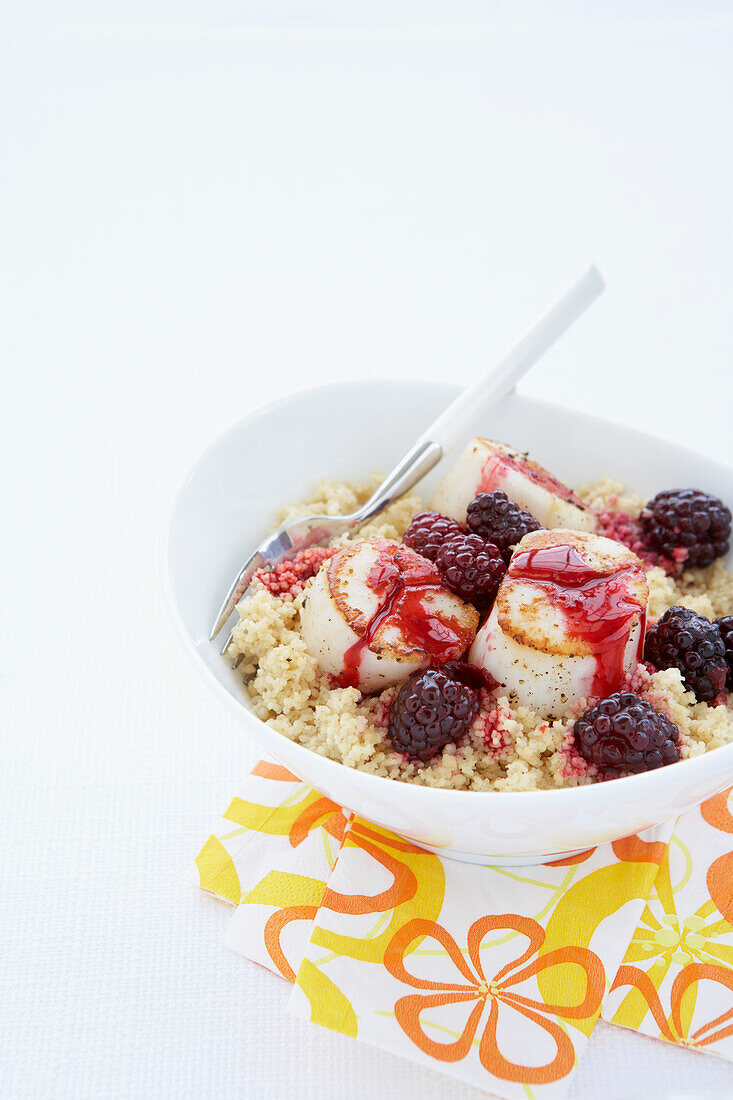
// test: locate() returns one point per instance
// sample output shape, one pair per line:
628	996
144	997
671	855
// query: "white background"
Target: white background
204	206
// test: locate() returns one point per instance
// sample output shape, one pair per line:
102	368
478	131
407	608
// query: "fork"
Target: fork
470	405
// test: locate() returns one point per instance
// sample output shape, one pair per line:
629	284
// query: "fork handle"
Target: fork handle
418	462
501	377
486	391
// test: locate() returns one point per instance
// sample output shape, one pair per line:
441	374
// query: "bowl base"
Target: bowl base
532	860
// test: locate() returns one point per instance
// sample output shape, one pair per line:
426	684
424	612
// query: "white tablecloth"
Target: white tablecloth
202	207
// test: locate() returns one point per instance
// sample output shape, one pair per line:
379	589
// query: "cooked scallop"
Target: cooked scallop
568	621
486	466
377	611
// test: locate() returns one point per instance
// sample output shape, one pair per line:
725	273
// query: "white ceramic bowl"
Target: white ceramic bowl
276	455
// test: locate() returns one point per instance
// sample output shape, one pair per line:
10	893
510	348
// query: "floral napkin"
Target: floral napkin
495	976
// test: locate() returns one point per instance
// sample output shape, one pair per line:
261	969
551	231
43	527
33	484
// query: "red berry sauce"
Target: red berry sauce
288	579
624	528
498	466
574	766
491	722
597	606
402	579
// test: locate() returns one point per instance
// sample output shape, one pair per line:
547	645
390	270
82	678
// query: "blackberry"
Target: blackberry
625	733
681	639
499	520
470	675
725	626
431	710
428	531
471	567
686	519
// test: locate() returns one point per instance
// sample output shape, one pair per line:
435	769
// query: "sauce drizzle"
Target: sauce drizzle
598	607
403	580
498	467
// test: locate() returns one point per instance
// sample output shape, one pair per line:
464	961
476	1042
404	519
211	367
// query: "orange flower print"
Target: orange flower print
404	881
675	1029
720	884
319	812
629	849
295	817
720	874
715	811
268	769
495	994
274	926
691	976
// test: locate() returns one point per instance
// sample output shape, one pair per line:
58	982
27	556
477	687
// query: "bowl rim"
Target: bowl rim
378	783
